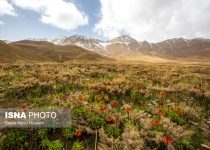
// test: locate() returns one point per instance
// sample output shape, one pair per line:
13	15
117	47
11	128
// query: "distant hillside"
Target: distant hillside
10	53
44	51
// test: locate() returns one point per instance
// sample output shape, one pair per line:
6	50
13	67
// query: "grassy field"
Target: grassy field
130	106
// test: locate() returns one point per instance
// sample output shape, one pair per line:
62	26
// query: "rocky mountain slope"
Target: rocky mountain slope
128	48
125	47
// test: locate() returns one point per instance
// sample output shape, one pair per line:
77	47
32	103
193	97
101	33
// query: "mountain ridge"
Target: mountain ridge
42	51
128	48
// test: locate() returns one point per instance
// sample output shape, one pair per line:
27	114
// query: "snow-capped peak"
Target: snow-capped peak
124	38
6	41
34	39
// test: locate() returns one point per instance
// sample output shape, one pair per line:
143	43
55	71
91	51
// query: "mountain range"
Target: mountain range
42	51
128	48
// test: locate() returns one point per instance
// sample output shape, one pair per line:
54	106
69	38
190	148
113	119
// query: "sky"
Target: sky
150	20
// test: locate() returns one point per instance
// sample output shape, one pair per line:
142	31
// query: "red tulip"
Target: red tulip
103	109
114	103
128	110
160	112
78	133
116	119
101	90
155	122
163	95
106	98
108	119
99	98
168	140
80	97
160	105
102	104
23	109
180	113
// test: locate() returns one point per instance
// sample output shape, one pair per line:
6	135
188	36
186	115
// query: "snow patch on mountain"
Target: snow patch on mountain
170	45
104	45
160	48
6	41
34	39
187	42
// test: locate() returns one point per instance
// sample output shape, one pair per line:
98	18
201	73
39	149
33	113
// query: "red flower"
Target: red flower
99	98
106	98
78	133
23	109
180	113
163	95
80	97
103	109
168	140
128	110
116	119
114	103
108	119
160	105
156	122
171	109
101	90
102	104
160	112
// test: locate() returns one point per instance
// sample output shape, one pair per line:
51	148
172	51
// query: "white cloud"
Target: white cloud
57	13
154	20
6	8
1	23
